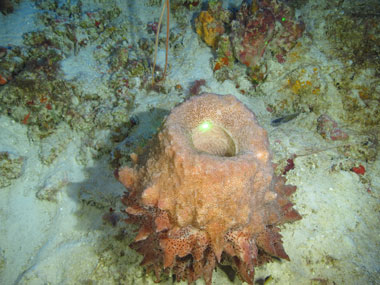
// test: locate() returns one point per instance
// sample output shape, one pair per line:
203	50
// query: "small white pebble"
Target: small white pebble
75	100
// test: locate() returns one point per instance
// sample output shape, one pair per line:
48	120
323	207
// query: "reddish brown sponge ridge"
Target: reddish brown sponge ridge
205	192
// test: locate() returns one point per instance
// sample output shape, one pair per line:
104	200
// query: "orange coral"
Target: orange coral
205	191
3	80
223	61
208	28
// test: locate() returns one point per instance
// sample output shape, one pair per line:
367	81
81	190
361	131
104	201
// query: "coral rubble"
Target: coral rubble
354	34
329	129
43	87
204	192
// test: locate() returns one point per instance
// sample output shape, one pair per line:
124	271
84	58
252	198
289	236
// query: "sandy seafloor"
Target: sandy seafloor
64	240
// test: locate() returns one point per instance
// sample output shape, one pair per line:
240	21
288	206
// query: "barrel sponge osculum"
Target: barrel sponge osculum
204	192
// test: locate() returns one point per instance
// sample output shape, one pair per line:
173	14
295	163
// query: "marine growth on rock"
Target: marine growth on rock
257	27
264	23
204	192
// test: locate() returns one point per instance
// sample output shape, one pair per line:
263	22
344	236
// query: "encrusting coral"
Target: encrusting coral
210	24
205	192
